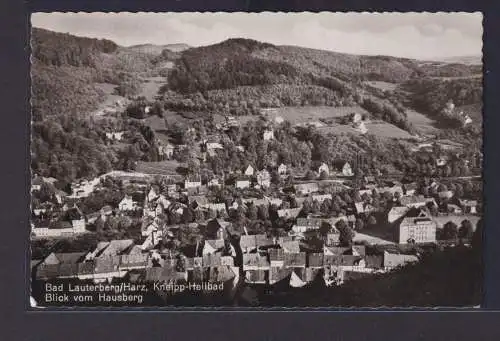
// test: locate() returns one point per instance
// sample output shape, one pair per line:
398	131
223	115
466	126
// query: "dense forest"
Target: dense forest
66	143
431	95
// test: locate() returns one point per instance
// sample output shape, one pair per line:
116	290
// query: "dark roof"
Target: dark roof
70	257
257	240
86	268
315	259
47	271
68	270
295	259
276	254
106	264
374	262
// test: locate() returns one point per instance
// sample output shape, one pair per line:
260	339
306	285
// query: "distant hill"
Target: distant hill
157	49
468	60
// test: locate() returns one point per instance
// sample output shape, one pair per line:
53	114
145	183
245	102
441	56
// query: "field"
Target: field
385	86
421	122
150	87
384	129
297	115
112	103
167	167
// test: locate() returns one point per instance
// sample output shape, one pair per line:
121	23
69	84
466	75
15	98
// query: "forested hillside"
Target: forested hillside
241	75
66	143
235	77
431	95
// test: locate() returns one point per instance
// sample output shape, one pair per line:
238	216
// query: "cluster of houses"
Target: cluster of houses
221	255
258	260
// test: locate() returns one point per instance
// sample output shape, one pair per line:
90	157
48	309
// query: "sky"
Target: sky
412	35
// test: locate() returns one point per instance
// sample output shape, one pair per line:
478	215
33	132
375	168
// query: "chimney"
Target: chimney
245	229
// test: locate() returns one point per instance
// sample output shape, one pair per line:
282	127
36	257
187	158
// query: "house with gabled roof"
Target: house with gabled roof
55	258
323	168
249	171
346	169
127	204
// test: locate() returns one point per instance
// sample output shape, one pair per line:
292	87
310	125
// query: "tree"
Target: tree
477	237
346	233
359	224
450	231
325	228
252	212
466	230
263	212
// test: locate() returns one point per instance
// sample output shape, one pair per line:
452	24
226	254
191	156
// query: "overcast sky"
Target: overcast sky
413	35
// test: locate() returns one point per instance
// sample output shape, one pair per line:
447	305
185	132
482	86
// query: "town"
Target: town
279	224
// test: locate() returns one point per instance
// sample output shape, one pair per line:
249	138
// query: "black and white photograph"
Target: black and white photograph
256	160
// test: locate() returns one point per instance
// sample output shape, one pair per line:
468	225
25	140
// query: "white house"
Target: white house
127	204
78	225
268	134
192	183
249	171
347	169
282	169
324	168
152	194
116	136
243	183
